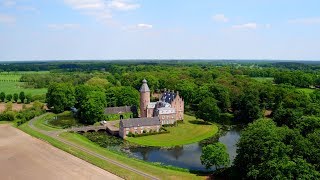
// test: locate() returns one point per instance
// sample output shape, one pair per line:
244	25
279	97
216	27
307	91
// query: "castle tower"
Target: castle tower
144	98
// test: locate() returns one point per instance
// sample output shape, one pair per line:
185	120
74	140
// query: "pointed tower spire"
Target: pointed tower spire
144	87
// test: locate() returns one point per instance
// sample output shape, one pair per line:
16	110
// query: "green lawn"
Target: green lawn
306	90
11	87
190	131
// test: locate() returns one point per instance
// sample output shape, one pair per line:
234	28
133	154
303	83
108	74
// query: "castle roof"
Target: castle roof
168	97
137	122
144	87
117	110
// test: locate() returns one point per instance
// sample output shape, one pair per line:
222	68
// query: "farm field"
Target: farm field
190	131
24	157
11	87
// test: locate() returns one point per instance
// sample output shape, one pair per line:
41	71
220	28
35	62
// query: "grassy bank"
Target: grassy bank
160	172
190	131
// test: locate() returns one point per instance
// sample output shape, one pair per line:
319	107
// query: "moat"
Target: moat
186	156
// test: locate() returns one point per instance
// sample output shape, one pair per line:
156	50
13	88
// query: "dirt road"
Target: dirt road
25	157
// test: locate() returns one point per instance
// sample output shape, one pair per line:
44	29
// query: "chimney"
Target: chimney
177	93
172	91
168	90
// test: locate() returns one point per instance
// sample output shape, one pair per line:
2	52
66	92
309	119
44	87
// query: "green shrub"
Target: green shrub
7	116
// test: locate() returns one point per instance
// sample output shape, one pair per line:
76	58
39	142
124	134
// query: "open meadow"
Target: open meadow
10	83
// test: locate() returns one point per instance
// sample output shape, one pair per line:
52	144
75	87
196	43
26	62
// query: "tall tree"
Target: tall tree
215	155
208	110
60	96
93	107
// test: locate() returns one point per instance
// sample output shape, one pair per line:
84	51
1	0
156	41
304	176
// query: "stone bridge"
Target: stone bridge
109	127
84	129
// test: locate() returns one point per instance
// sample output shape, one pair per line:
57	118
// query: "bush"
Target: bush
7	116
41	98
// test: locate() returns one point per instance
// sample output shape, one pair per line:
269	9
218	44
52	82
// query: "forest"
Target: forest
277	102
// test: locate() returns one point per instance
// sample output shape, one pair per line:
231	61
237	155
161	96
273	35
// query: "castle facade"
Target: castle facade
169	108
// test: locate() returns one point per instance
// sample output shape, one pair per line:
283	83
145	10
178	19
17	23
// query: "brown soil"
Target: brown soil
15	106
25	157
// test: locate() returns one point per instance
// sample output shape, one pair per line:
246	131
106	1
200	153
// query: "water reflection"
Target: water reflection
187	156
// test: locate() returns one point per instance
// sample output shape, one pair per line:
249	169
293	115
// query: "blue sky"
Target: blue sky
166	29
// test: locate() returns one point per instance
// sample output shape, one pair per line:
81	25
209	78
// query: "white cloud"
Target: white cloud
9	3
7	19
141	26
101	9
308	21
63	26
246	26
123	5
96	8
220	18
144	26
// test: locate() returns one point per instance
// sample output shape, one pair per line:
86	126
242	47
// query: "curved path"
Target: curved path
23	157
55	135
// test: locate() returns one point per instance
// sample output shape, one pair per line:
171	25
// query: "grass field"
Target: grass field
11	87
160	172
190	131
9	83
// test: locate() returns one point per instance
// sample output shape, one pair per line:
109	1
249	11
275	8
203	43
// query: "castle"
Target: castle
169	108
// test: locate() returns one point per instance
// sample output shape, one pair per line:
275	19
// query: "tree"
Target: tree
99	82
215	155
248	106
122	96
9	97
15	97
2	96
92	109
208	110
60	96
28	98
266	151
22	97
